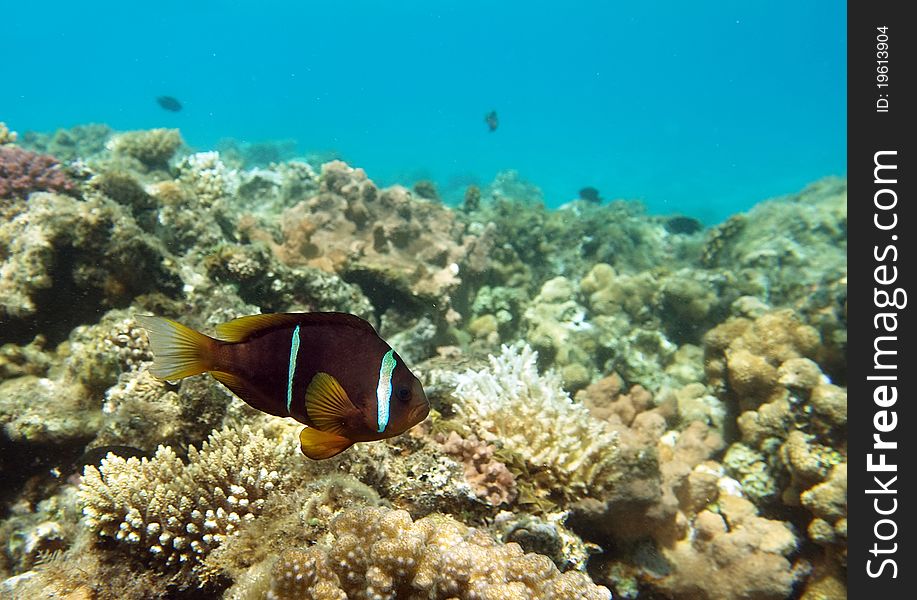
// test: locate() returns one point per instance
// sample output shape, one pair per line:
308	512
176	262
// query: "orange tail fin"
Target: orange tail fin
178	351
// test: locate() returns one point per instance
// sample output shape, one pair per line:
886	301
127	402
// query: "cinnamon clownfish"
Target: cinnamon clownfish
330	371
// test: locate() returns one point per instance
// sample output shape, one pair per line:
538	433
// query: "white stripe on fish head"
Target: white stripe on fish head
384	389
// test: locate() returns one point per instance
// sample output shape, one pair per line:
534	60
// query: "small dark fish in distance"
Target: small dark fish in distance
590	194
492	121
330	371
169	103
683	225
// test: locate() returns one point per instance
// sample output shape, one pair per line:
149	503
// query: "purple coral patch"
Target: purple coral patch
23	172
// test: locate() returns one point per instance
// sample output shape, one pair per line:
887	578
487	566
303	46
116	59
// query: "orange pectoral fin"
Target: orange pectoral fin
319	445
327	404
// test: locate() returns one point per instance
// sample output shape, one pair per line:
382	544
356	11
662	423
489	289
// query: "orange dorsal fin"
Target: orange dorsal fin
319	445
239	330
178	351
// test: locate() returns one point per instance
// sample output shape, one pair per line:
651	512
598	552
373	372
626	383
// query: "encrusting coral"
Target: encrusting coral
381	554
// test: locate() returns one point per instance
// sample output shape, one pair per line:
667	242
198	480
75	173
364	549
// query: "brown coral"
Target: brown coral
379	553
732	553
393	242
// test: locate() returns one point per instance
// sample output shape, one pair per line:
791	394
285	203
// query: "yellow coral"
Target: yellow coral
6	136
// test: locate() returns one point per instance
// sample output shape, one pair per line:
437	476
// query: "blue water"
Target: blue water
699	108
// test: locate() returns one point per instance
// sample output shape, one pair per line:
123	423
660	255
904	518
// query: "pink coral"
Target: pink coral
23	172
490	479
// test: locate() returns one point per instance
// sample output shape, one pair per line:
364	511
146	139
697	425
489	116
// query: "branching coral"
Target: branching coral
207	177
177	513
380	554
570	453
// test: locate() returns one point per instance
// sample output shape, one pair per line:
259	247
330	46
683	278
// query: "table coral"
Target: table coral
379	554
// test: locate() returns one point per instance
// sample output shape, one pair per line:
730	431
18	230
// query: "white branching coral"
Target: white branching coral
208	177
531	415
179	512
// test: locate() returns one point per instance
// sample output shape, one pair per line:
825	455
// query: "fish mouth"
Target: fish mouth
420	413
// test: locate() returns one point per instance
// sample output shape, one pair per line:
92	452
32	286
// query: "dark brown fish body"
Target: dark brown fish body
330	371
169	103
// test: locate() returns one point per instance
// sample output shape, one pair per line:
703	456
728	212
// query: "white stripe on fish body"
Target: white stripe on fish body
384	389
294	352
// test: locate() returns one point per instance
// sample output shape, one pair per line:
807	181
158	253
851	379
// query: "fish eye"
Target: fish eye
404	394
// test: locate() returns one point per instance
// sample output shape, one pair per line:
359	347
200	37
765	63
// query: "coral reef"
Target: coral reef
23	172
60	248
703	453
382	553
152	148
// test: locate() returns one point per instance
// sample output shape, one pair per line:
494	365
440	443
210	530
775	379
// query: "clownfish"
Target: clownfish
330	371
